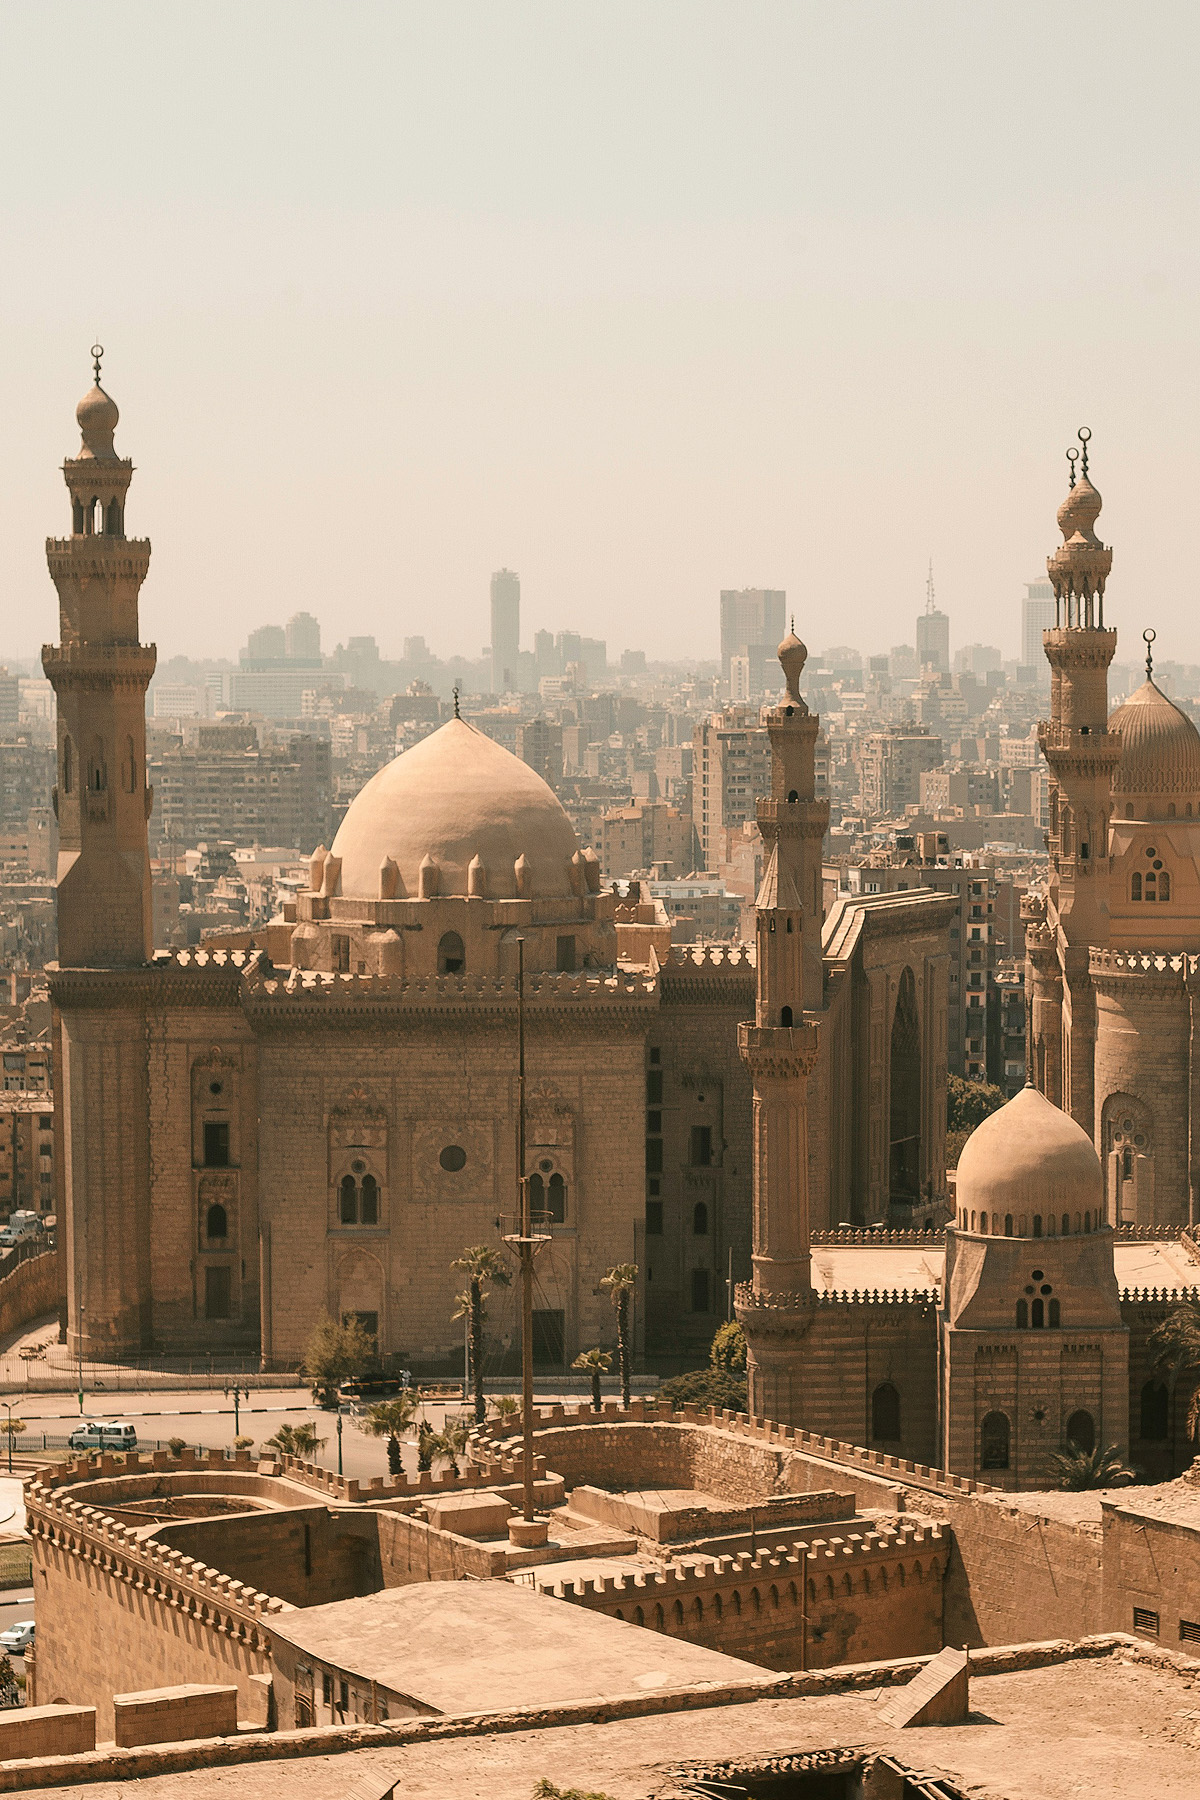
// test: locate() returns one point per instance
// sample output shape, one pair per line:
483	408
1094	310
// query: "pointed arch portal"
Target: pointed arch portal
904	1169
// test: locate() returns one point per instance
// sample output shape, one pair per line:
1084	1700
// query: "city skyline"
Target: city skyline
770	330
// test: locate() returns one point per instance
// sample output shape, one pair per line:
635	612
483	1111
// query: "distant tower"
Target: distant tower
780	1050
1082	755
100	673
506	630
933	635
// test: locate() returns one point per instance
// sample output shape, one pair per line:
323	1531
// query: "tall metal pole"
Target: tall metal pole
526	1245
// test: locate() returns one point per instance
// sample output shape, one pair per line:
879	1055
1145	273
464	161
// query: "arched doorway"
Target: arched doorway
904	1171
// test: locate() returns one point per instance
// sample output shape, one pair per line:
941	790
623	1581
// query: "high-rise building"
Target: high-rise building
267	644
750	618
891	764
1037	615
731	774
302	638
506	630
933	634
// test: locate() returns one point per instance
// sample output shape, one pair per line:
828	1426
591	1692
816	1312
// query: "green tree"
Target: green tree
968	1104
596	1363
729	1349
243	1443
1078	1469
706	1387
177	1446
336	1353
8	1680
484	1269
1175	1347
619	1284
390	1419
296	1440
427	1439
505	1406
546	1790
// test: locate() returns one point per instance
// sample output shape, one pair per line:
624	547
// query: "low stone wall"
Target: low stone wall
650	1517
171	1715
306	1555
411	1551
47	1731
34	1288
851	1598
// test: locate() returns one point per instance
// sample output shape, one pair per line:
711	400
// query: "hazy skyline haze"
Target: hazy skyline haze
640	301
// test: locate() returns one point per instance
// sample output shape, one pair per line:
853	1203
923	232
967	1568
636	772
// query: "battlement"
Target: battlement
123	1553
499	1470
684	958
316	988
1160	1296
813	1558
506	1434
749	1300
1132	963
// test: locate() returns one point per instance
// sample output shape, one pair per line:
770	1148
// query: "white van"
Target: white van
103	1434
21	1225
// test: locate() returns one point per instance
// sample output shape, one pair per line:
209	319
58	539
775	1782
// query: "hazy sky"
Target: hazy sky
641	300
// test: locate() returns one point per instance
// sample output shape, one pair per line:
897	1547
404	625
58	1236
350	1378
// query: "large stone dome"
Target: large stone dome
454	797
1030	1157
1160	751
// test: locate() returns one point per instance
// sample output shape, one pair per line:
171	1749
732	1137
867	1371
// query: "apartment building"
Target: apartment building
731	771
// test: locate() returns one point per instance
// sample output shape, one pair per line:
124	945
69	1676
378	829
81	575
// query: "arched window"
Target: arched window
68	770
1170	809
993	1441
1081	1431
97	772
700	1219
369	1201
129	768
1055	1315
1164	886
216	1223
452	957
885	1414
1037	1224
1151	885
785	1012
1135	885
556	1194
1008	1224
112	519
537	1196
1066	1224
1154	1416
1127	1163
1087	1221
1022	1315
1037	1313
348	1201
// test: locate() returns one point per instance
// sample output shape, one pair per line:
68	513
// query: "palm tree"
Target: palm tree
596	1363
390	1419
453	1438
427	1439
1077	1469
619	1283
484	1269
296	1440
1175	1346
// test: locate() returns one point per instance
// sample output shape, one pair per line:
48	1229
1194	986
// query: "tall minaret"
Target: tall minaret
100	673
780	1050
1082	754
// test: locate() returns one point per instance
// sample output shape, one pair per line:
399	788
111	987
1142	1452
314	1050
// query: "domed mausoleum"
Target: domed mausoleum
448	854
1035	1353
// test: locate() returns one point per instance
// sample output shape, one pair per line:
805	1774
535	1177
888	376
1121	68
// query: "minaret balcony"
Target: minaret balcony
97	555
764	1310
804	815
779	1052
99	665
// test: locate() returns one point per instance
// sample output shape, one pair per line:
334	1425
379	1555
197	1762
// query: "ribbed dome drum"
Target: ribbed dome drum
1160	750
453	797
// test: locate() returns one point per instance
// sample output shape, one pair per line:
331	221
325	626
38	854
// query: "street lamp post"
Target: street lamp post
239	1394
339	1431
10	1404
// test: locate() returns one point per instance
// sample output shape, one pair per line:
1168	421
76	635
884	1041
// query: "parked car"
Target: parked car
17	1639
375	1385
20	1227
103	1434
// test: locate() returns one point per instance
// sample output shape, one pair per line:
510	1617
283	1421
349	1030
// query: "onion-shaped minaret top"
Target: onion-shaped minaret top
793	654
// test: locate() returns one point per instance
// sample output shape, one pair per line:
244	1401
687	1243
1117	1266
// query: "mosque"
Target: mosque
322	1116
1074	1224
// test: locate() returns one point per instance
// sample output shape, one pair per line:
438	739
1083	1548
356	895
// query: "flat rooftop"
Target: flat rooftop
481	1646
840	1268
1110	1729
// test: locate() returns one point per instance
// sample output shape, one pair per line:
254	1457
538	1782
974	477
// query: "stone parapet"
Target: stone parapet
855	1234
506	1434
1157	966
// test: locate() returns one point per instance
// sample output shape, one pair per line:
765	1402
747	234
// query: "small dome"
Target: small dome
454	797
1160	749
1030	1157
97	417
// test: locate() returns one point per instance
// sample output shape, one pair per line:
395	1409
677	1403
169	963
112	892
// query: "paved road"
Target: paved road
208	1421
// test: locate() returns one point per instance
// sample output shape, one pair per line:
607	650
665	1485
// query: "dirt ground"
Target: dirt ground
1084	1729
